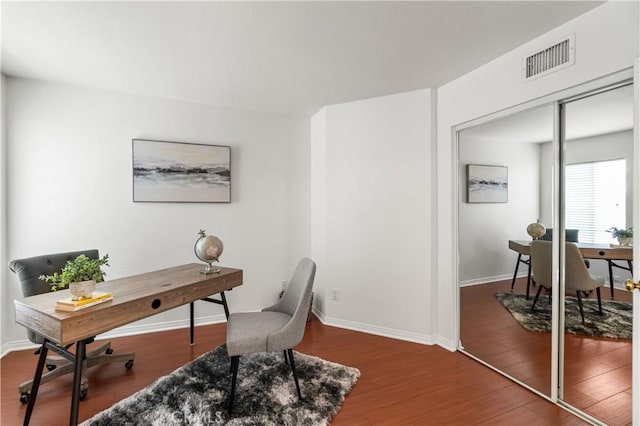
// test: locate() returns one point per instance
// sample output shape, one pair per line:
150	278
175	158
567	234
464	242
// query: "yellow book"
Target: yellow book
71	308
97	296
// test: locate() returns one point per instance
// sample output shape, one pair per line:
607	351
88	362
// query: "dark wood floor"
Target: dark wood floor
401	382
597	371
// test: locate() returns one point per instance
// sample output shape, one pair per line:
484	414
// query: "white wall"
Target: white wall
70	187
4	324
371	214
484	229
606	42
298	218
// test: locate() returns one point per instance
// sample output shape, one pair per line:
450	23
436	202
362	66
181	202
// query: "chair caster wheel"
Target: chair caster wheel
51	367
24	397
83	393
109	351
128	364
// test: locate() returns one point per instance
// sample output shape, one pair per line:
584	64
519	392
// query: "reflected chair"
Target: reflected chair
277	328
577	277
571	235
28	272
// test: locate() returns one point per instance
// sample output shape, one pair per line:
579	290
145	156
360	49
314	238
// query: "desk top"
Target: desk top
588	250
134	298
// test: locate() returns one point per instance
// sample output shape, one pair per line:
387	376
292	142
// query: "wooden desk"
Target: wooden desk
134	298
588	250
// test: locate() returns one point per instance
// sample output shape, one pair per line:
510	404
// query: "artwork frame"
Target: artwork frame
180	172
487	184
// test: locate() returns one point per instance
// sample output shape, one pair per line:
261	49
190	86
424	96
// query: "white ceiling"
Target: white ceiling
281	57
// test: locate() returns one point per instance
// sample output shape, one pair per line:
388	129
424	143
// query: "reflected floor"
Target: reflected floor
597	371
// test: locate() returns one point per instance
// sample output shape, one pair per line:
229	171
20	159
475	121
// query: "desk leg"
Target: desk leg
224	304
222	301
36	382
515	273
81	350
610	263
191	318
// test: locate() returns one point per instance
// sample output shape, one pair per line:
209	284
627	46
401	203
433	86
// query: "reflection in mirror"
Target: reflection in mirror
495	293
598	188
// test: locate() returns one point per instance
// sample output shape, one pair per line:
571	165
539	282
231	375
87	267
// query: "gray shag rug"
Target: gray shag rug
615	323
197	393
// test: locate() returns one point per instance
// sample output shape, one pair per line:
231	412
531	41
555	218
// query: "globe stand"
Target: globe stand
208	249
210	269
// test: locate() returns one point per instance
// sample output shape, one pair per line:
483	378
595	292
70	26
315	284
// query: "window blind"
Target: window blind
595	199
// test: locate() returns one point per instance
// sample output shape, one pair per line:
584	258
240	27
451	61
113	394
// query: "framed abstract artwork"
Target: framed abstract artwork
487	184
180	172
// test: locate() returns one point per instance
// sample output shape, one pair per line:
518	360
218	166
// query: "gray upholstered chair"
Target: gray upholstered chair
277	328
28	271
571	235
577	277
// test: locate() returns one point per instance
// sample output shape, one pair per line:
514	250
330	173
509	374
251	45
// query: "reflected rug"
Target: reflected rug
196	393
615	323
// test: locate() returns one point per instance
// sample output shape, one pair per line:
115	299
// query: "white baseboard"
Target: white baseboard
129	330
374	329
132	330
17	345
485	280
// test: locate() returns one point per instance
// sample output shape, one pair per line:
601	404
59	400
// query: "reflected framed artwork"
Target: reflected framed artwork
487	184
181	172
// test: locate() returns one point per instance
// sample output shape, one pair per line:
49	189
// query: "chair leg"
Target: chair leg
528	277
535	300
286	357
295	374
599	301
235	361
580	305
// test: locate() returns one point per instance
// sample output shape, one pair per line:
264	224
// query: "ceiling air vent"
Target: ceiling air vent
551	59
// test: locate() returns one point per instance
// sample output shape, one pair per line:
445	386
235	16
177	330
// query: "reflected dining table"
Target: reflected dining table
606	252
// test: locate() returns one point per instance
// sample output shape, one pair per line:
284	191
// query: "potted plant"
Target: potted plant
80	275
624	236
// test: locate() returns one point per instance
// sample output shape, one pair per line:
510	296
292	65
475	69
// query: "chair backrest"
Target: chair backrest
577	275
541	251
570	235
295	302
28	271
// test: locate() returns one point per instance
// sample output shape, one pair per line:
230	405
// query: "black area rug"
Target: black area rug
196	394
615	323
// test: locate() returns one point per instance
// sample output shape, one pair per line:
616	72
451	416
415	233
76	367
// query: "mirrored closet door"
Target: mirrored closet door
597	183
517	184
493	274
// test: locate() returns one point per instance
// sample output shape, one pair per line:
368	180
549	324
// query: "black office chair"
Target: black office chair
28	271
570	235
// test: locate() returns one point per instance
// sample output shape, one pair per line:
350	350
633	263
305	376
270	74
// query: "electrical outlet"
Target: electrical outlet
335	295
283	283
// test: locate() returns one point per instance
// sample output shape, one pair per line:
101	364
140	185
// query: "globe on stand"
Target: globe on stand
208	248
536	230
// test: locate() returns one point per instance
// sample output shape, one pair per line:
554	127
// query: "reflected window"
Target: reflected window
596	199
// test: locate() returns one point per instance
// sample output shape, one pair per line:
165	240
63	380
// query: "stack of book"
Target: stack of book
76	305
